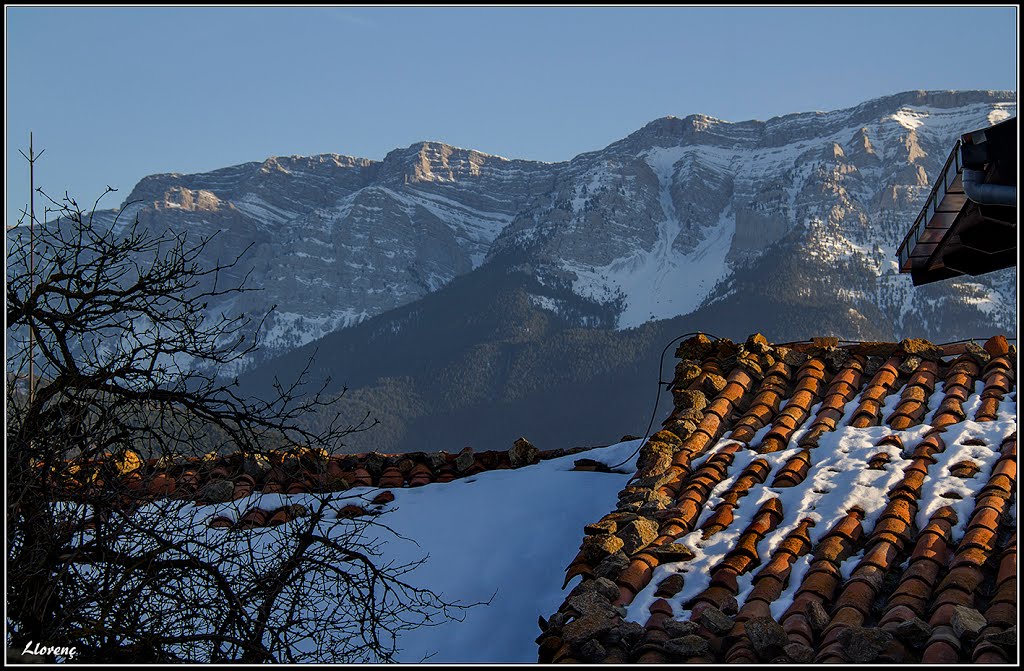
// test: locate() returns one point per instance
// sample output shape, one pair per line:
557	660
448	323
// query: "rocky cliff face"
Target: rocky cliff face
682	215
661	221
336	239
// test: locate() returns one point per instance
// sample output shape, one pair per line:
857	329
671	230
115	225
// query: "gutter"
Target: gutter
987	194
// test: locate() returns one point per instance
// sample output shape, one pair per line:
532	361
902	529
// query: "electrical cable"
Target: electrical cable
860	342
957	342
657	399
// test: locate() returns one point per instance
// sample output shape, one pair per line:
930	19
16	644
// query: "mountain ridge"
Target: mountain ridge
467	298
653	226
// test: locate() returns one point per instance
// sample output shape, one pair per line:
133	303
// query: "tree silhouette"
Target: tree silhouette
113	318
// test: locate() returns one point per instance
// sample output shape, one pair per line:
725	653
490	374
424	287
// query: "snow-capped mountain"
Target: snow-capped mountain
685	213
337	239
660	222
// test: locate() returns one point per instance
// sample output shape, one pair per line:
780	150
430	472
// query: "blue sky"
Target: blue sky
114	94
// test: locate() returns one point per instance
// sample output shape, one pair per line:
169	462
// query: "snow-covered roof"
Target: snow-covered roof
223	478
811	503
807	502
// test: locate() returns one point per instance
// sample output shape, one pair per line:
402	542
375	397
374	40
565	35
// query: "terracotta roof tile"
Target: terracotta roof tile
965	468
997	382
1002	614
988	409
383	497
636	576
951	595
767	588
720	597
878	461
728	398
753	387
298	487
361	478
763	522
1006	592
931	547
162	485
693	494
963	578
940	652
698	441
280	516
979	537
988	653
756	605
661	606
909	487
710	424
971	556
758	470
682	519
899	509
798	629
1006	467
896	615
997	346
652	656
1003	363
721	519
778	567
253	518
844	616
747	545
221	522
670	586
820	583
849	527
1007	568
893	530
704	481
797	542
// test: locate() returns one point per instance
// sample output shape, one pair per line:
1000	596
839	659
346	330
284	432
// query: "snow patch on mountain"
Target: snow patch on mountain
261	210
292	329
659	282
474	228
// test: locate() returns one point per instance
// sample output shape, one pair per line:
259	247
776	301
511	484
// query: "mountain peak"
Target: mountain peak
433	161
673	123
669	131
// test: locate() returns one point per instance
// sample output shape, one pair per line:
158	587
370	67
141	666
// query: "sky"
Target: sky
113	94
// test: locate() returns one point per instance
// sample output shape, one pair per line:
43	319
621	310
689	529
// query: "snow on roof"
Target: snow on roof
811	503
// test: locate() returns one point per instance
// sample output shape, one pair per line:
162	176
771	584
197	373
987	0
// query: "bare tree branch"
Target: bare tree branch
119	315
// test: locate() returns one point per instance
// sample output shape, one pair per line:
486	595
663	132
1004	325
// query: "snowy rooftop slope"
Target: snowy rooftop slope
500	536
803	504
504	534
492	528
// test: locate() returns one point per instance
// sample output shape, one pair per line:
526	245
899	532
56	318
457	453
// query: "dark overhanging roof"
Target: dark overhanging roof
956	235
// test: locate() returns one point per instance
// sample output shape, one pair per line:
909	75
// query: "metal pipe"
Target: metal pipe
987	194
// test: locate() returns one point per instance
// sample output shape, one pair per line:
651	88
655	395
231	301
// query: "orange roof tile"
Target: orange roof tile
861	574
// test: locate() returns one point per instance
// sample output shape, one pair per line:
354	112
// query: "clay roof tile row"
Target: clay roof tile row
856	581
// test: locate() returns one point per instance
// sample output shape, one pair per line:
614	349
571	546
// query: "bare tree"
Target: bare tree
115	323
